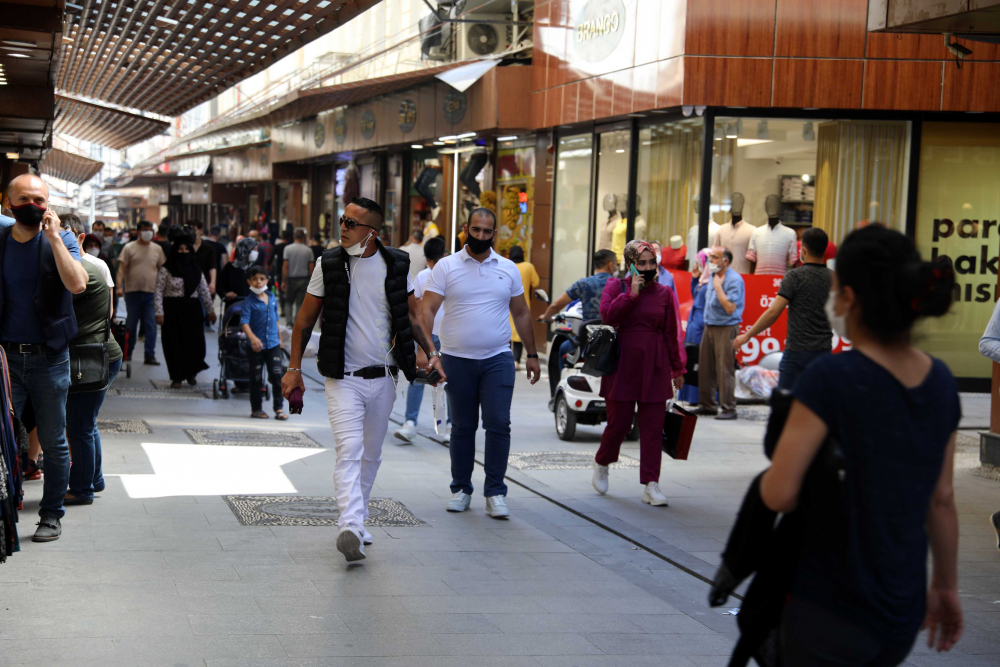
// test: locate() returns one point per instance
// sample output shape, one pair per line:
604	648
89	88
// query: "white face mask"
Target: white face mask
258	290
358	248
94	251
146	236
659	257
713	267
837	322
252	256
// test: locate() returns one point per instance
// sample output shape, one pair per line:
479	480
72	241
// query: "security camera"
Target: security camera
956	49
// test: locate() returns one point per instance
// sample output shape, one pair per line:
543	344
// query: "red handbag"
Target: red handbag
678	429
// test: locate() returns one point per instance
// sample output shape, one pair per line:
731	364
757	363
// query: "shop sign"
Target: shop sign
367	124
599	28
319	135
455	105
340	129
407	116
760	292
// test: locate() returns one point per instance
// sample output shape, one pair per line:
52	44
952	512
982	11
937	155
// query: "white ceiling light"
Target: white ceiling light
806	178
20	42
741	143
466	135
439	143
718	133
13	156
510	138
731	132
19	55
450	137
165	22
416	145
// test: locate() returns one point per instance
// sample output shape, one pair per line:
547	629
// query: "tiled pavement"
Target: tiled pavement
160	572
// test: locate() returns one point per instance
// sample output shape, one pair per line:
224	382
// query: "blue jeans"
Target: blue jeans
44	378
793	362
475	384
85	475
140	305
415	394
566	348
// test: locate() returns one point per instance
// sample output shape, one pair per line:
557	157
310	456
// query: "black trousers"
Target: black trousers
811	636
270	359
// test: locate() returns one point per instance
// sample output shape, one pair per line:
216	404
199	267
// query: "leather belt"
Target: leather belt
373	372
24	348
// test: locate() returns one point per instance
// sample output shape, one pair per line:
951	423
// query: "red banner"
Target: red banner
760	293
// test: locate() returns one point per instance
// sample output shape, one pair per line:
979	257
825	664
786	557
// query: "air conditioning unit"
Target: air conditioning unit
476	40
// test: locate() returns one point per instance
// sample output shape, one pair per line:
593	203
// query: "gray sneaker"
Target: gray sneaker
459	502
49	529
349	543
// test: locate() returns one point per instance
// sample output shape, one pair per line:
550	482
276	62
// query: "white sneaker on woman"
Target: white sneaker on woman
600	478
350	544
652	495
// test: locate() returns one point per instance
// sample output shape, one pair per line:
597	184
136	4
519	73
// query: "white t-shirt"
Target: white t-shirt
692	240
774	250
101	266
419	283
476	324
369	324
417	260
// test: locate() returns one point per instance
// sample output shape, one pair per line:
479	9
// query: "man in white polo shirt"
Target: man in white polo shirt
773	247
479	288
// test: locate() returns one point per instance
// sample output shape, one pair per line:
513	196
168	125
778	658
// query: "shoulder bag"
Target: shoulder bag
88	365
600	353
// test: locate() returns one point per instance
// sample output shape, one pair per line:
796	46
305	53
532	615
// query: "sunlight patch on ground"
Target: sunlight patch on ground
210	470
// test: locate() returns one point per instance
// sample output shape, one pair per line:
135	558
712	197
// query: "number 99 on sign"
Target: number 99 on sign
755	348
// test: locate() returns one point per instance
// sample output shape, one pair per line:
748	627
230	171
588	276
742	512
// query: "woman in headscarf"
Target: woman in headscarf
179	285
700	279
232	283
650	365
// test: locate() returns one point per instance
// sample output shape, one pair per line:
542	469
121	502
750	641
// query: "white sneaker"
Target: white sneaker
366	537
446	436
349	544
459	502
497	507
407	432
600	479
652	495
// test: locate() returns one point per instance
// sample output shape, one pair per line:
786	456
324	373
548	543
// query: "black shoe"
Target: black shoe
192	381
995	522
151	361
176	384
723	586
49	529
705	412
75	500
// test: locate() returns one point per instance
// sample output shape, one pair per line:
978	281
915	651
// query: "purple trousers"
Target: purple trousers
651	416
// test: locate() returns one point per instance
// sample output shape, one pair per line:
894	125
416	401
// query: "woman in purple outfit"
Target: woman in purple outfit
650	355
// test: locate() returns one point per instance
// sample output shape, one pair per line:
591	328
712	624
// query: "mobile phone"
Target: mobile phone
633	272
423	377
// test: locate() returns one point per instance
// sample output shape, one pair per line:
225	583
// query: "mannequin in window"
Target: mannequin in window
619	235
604	229
735	236
692	240
773	246
674	256
640	222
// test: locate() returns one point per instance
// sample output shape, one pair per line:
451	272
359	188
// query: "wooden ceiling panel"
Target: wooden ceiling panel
167	56
102	125
69	166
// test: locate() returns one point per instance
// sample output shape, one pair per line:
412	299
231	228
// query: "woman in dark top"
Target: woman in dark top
93	319
649	358
179	285
860	592
232	282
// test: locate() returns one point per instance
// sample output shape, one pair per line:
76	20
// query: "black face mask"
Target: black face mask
185	258
479	246
29	215
649	277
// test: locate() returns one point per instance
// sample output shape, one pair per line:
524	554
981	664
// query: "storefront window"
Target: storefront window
426	192
958	205
515	195
612	193
669	180
571	218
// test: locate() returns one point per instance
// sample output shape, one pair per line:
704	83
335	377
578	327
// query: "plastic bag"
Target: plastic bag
755	382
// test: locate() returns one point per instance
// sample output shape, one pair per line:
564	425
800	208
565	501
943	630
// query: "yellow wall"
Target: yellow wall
958	210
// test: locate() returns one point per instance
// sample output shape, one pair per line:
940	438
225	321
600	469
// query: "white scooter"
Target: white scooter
575	395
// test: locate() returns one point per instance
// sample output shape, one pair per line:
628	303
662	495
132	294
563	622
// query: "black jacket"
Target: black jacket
53	302
336	303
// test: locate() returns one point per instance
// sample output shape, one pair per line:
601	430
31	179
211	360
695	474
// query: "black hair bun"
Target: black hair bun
938	280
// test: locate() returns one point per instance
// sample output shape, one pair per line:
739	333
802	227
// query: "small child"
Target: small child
259	322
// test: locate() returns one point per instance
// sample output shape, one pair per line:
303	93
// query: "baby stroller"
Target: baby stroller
234	354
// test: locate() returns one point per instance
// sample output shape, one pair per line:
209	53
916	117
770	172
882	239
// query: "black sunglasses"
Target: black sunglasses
351	224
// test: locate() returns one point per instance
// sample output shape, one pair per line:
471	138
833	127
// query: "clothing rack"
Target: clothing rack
11	493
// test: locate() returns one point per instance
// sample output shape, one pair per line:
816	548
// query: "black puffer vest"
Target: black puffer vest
336	305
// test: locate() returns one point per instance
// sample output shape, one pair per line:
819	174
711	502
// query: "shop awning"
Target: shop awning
146	180
167	57
308	102
104	126
69	166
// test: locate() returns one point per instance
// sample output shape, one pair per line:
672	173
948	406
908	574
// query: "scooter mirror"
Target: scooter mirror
542	295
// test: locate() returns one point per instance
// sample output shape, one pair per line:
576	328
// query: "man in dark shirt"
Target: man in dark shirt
805	290
162	237
36	325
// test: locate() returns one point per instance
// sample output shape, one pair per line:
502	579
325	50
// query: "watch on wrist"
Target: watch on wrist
435	353
532	356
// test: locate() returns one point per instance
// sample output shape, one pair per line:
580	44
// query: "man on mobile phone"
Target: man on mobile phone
370	322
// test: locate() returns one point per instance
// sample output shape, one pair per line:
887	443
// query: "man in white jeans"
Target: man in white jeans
369	324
